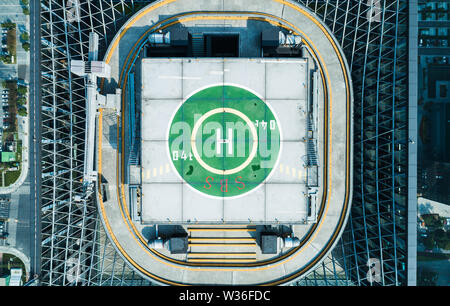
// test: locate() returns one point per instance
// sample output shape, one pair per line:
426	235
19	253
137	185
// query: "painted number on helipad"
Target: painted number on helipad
224	141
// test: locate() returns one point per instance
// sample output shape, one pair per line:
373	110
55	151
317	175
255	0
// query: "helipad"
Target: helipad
229	161
228	149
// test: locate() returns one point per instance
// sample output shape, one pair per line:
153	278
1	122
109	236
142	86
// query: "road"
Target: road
35	136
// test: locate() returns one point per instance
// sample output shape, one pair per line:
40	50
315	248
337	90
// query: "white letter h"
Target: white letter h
228	141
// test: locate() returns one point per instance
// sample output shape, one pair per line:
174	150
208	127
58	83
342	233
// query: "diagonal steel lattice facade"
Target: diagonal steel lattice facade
373	35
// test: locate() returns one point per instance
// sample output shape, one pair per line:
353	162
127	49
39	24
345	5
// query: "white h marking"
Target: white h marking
228	141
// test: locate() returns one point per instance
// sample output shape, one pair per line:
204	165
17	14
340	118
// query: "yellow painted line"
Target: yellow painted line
223	224
299	174
294	172
167	168
131	23
222	254
192	19
122	187
222	244
287	170
281	168
154	172
222	229
221	239
108	226
161	170
314	234
148	173
222	259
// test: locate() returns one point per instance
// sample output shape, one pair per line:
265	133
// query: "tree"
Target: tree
22	112
22	101
22	90
442	239
24	36
445	245
6	59
427	278
439	234
26	11
429	242
26	46
8	25
24	2
432	220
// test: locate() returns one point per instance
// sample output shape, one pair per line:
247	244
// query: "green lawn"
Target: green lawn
11	177
10	261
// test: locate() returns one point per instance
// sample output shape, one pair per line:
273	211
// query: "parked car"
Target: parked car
4	31
5	91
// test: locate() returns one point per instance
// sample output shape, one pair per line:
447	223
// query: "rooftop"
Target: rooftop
191	87
198	183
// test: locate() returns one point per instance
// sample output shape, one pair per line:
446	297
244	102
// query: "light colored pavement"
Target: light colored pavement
12	10
427	206
339	179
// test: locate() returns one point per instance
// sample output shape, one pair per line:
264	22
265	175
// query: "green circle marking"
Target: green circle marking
224	141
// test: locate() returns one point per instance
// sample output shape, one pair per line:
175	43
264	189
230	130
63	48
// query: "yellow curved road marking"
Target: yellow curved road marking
122	187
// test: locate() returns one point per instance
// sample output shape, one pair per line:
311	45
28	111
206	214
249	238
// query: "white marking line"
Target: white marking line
215	72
